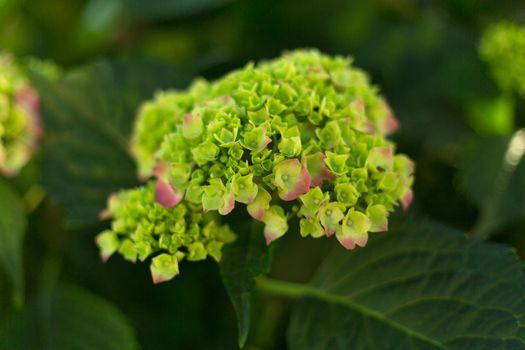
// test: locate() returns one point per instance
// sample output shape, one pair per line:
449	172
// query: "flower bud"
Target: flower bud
164	267
244	188
276	223
291	179
260	205
354	230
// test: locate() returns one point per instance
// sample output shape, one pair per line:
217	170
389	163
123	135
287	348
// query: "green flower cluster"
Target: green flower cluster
305	128
503	48
142	227
20	125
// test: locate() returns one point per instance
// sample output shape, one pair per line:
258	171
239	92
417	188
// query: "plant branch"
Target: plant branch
282	288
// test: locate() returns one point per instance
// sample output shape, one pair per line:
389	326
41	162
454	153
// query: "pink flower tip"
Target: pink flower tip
165	195
350	242
328	232
229	205
406	201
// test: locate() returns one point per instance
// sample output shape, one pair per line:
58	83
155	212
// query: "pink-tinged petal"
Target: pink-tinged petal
258	214
192	126
107	243
163	268
165	195
383	227
106	213
329	232
317	169
360	104
229	203
292	179
387	152
302	186
391	123
260	205
407	199
349	242
160	171
361	240
354	230
267	141
346	242
159	278
381	157
270	236
28	99
276	224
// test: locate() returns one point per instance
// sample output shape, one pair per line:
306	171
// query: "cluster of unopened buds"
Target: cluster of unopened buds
20	126
300	136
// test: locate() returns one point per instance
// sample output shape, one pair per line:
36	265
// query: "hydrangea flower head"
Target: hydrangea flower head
299	137
20	125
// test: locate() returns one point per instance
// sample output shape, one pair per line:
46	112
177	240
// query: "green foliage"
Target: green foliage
243	261
64	318
493	176
12	231
451	70
159	9
425	287
87	117
503	48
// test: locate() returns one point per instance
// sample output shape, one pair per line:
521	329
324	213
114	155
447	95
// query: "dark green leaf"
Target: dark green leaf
68	318
88	116
417	287
159	9
241	263
12	229
493	176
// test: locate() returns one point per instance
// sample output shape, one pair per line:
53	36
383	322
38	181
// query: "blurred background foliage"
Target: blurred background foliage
456	123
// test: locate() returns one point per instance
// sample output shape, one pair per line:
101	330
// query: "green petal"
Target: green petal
276	223
354	230
292	179
164	267
260	205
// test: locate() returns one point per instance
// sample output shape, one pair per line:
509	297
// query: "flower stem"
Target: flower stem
282	288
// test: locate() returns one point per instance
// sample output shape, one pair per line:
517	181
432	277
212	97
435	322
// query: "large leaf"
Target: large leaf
88	117
12	229
417	287
493	176
241	263
68	318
